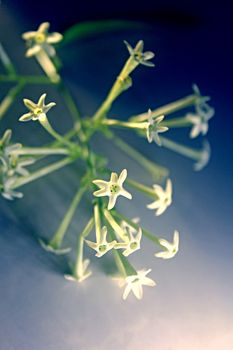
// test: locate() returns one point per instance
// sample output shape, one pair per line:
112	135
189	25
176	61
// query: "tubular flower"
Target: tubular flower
112	188
154	128
37	110
171	248
138	54
132	239
135	282
41	40
101	246
163	198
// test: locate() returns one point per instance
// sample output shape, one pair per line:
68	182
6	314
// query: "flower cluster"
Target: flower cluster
114	233
11	166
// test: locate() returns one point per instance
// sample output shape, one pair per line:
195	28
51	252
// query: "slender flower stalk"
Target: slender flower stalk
117	228
8	65
41	151
172	107
54	244
10	98
23	180
48	127
101	246
123	81
141	188
201	156
26	79
79	271
48	67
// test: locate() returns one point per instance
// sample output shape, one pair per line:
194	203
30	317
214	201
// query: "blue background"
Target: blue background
191	306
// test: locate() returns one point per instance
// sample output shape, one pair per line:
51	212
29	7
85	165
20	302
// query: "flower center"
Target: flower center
138	56
40	38
114	188
102	248
133	245
38	111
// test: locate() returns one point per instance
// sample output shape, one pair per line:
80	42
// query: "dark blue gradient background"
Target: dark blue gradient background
191	307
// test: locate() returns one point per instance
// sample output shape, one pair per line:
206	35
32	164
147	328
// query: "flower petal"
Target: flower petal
26	117
112	201
125	193
33	51
54	38
44	27
28	35
41	101
122	177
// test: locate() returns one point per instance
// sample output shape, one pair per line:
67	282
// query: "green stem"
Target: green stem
42	172
181	149
128	125
118	87
115	225
10	98
176	123
48	66
97	222
6	61
146	233
78	266
142	188
158	172
58	237
70	102
122	263
40	151
168	109
26	79
48	127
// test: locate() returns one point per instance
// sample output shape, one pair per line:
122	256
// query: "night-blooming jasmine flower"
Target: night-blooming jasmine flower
204	157
7	191
41	40
170	248
132	240
101	246
112	188
82	273
11	166
163	198
200	99
135	282
154	128
200	119
37	110
138	54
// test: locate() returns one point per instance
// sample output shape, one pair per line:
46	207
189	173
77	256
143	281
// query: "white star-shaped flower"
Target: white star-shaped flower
82	274
138	54
41	40
132	239
101	246
112	188
200	119
154	128
37	110
171	248
204	157
163	198
134	283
